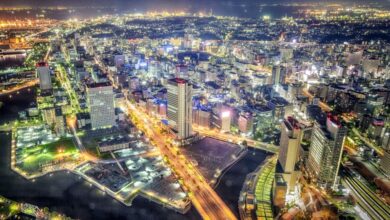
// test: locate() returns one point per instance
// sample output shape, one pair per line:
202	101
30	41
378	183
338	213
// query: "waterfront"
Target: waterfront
231	182
9	61
69	194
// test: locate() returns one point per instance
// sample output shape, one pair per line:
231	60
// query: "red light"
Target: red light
41	64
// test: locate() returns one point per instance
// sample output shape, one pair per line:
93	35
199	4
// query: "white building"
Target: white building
291	135
43	73
100	99
180	107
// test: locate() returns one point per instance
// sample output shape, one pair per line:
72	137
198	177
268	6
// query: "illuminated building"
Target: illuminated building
43	73
245	123
385	162
278	74
201	117
376	129
100	99
226	120
386	139
221	119
112	144
291	135
325	151
179	111
182	71
263	121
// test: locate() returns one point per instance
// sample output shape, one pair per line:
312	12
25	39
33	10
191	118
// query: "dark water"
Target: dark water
231	183
14	103
69	194
7	61
66	192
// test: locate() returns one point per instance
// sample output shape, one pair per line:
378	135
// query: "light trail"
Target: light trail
204	198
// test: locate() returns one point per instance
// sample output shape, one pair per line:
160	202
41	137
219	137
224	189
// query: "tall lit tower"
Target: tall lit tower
43	73
100	98
291	135
326	151
180	107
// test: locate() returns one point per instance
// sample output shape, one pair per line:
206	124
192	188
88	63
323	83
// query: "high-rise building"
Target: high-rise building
100	98
385	162
278	74
201	117
291	135
43	73
326	151
180	107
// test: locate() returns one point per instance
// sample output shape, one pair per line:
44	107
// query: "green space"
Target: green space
33	158
8	208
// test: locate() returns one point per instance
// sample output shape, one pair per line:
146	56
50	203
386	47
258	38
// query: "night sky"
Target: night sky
157	3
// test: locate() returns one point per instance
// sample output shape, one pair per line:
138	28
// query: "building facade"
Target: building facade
326	151
43	73
179	111
100	99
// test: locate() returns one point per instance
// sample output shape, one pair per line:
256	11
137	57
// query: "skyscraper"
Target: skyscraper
100	98
180	107
278	74
325	151
43	73
291	135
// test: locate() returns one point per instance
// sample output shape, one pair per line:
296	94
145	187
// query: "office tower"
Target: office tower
180	107
325	151
278	74
291	135
201	117
385	162
43	73
100	98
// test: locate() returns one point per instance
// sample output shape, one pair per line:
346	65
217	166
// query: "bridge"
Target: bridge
236	139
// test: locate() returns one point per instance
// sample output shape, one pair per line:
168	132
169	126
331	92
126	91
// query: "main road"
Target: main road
203	197
325	107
